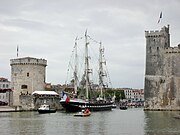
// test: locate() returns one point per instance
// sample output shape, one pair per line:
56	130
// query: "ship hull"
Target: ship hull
75	106
47	111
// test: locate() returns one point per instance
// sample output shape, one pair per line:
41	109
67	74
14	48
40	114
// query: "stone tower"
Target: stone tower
27	75
162	75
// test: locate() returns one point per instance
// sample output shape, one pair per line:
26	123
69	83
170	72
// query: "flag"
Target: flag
160	17
62	94
67	99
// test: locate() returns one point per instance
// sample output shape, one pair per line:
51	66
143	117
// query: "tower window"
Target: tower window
24	86
157	48
150	49
27	74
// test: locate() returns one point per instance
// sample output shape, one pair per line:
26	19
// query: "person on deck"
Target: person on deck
87	110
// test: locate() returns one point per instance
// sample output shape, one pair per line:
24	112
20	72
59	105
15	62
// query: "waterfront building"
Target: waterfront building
134	95
4	83
162	75
5	92
27	75
128	94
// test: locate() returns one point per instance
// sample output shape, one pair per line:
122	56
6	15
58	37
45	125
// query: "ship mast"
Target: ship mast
101	70
86	66
75	68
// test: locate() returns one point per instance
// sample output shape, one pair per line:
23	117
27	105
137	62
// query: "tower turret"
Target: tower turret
27	75
156	42
162	77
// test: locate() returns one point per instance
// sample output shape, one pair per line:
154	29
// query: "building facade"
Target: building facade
5	92
162	75
27	75
134	95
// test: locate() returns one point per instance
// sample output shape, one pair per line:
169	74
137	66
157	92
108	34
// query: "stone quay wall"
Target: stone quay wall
30	102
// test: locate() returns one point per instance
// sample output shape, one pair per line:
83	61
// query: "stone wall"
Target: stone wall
162	77
30	102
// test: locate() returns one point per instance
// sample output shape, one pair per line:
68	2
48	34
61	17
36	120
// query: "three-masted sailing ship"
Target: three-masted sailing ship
77	101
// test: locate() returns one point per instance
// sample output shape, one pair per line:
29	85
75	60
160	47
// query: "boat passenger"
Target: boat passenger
87	110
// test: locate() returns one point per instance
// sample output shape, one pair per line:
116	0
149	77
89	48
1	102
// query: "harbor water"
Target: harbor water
116	122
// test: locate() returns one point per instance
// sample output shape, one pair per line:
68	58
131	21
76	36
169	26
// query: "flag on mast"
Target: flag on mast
160	17
17	50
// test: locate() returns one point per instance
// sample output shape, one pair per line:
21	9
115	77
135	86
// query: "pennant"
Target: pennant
160	17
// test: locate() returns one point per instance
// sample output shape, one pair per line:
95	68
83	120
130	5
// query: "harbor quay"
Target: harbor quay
7	109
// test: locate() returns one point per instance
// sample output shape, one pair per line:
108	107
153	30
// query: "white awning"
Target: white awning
44	92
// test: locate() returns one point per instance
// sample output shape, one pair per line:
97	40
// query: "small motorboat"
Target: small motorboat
46	109
83	113
114	106
123	107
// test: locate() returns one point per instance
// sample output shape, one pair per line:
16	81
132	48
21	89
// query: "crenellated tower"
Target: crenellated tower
27	75
162	82
156	42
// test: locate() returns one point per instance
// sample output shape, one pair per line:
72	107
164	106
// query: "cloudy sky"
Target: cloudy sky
47	29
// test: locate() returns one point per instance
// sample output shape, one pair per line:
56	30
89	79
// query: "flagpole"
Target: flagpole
17	51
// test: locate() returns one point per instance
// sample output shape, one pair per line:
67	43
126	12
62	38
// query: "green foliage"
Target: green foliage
118	93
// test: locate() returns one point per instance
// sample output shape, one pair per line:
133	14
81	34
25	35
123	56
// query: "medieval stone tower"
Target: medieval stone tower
162	75
27	75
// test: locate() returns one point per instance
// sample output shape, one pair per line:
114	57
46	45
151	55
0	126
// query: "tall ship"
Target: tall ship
85	93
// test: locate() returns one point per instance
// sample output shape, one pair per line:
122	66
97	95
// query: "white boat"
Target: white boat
46	109
114	106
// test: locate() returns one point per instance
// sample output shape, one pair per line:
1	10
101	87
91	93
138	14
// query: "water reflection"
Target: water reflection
23	123
116	122
161	123
95	124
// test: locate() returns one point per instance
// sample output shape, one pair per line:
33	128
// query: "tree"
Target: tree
118	93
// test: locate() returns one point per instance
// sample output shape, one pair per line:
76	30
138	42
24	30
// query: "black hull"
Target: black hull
123	107
47	111
78	106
